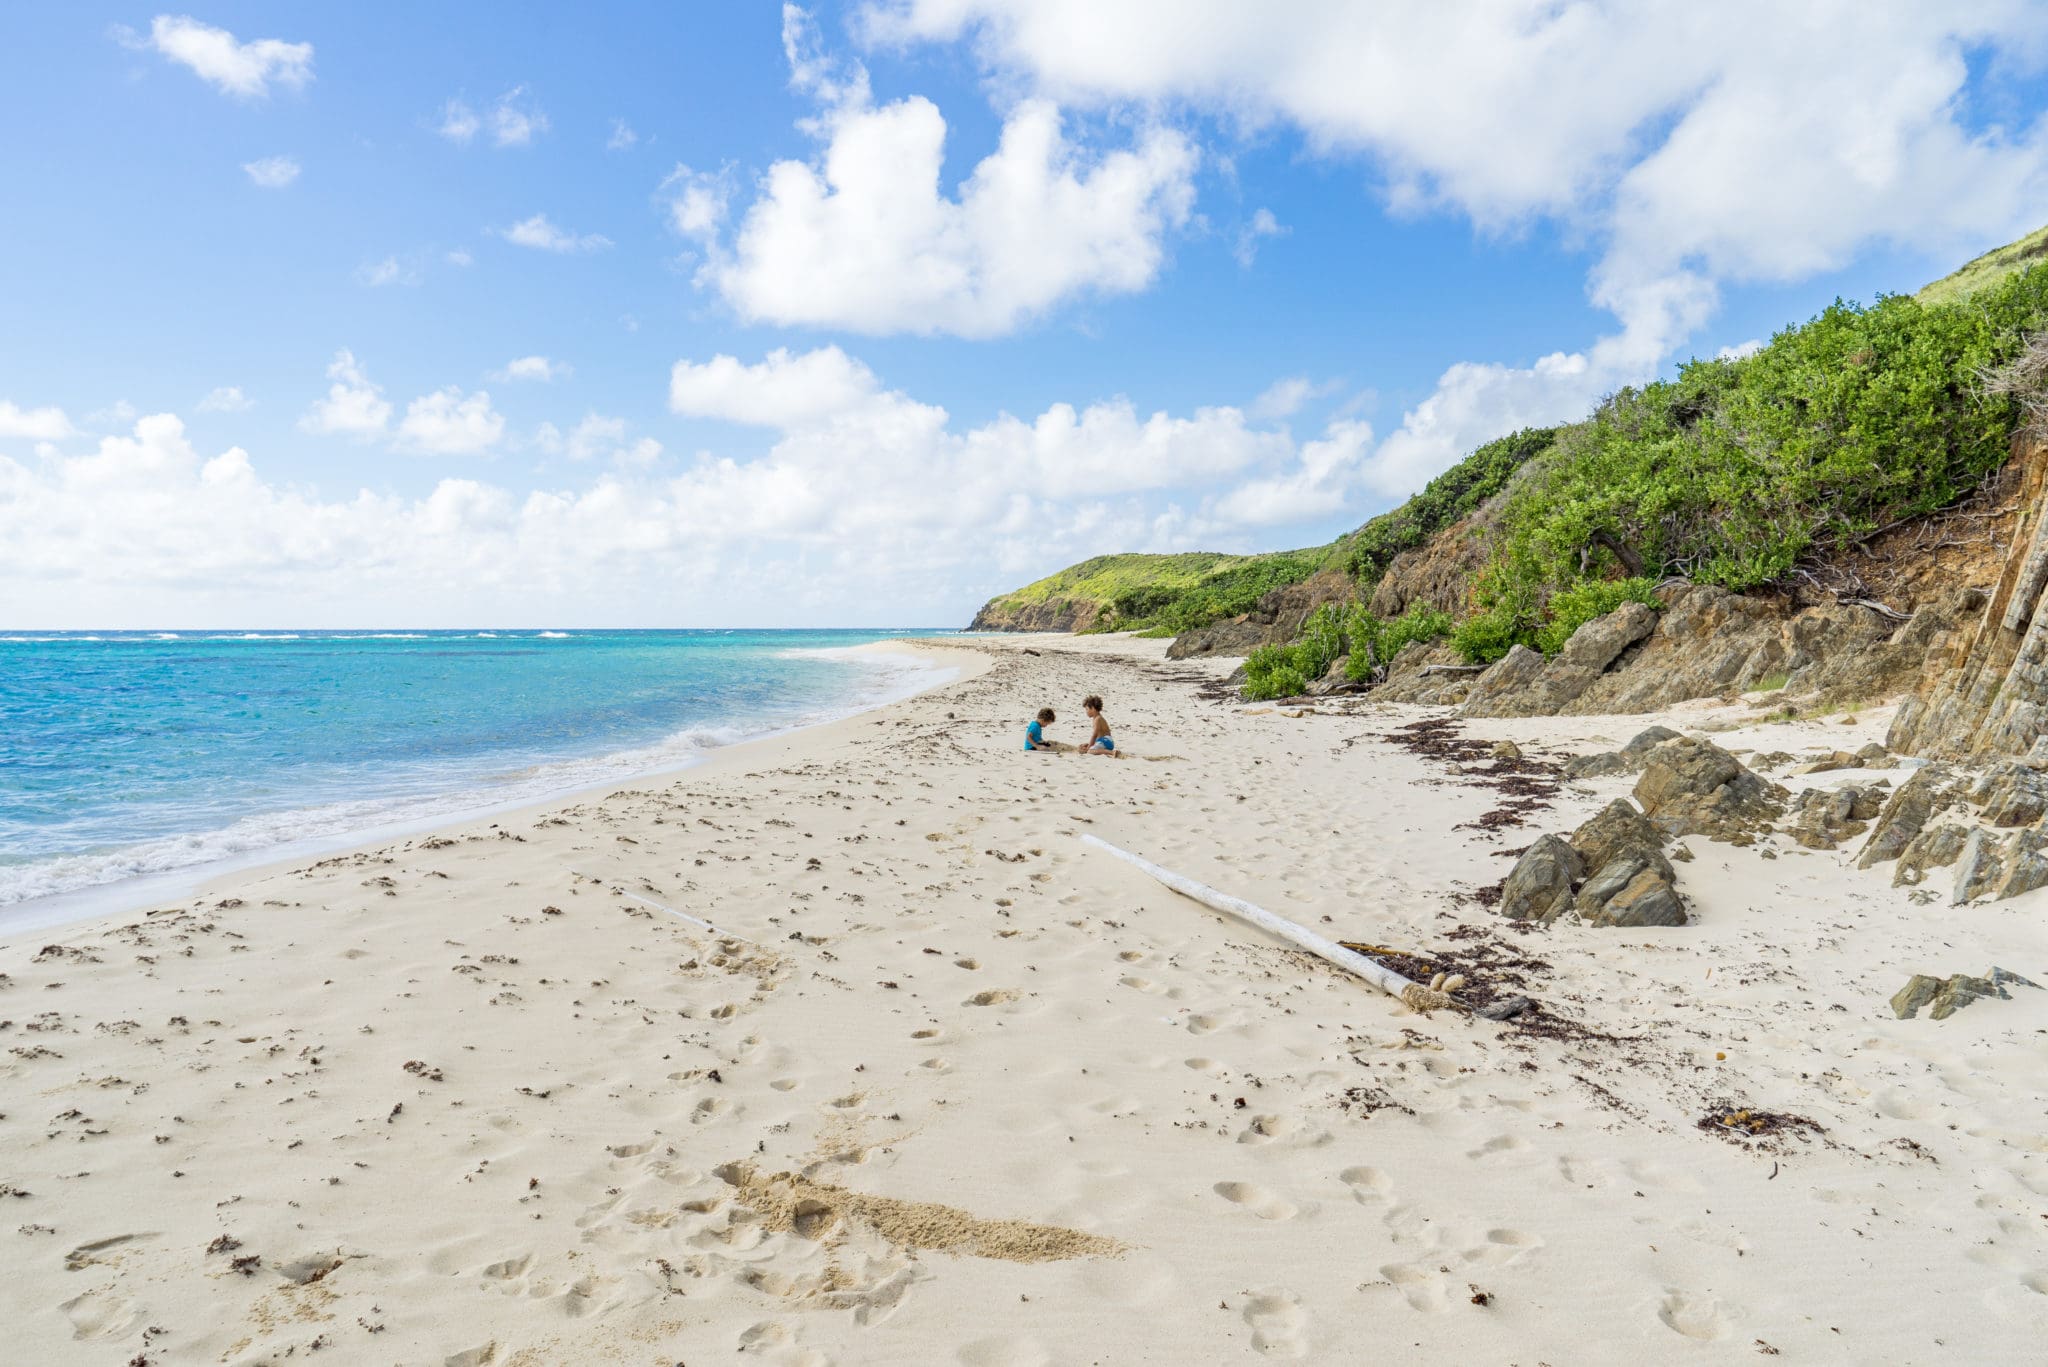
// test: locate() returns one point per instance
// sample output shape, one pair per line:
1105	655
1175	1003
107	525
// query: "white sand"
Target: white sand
468	1102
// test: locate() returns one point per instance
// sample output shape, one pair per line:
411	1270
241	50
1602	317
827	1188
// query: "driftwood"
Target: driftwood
1453	669
1378	974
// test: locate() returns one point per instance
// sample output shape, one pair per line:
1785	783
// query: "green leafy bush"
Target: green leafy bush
1374	643
1735	470
1571	608
1285	670
1485	636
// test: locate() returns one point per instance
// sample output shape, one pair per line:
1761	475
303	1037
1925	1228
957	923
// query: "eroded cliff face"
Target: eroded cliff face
1706	643
1278	617
1058	614
1986	693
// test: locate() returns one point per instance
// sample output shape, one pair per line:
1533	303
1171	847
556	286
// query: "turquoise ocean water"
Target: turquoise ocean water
131	759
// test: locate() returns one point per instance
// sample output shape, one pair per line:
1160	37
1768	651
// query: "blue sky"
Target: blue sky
1175	283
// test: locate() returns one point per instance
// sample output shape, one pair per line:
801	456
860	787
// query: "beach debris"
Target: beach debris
1945	996
1753	1126
1416	995
1507	1008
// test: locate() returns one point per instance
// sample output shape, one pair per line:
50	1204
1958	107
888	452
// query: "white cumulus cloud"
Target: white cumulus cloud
867	237
246	70
272	173
542	235
227	398
531	368
449	423
33	424
864	500
513	119
355	405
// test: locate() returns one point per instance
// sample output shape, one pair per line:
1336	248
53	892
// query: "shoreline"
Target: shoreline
948	1086
123	896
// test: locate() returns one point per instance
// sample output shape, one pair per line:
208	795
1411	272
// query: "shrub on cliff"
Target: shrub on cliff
1285	670
1732	472
1451	495
1737	469
1374	643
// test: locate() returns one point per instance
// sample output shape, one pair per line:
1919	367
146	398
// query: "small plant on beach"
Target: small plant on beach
1772	682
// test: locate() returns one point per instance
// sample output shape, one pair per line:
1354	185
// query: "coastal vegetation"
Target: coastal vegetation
1741	471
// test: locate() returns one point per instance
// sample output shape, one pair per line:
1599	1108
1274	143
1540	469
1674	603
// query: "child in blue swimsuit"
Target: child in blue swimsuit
1100	742
1034	734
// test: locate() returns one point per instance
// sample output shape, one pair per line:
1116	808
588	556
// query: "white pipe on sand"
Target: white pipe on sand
1379	975
679	915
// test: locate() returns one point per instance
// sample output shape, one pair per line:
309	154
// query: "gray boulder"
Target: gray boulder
1648	899
1694	787
1906	814
1945	996
1539	688
1627	760
1539	887
1619	831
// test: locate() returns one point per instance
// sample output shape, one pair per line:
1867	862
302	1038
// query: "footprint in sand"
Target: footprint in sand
1421	1286
994	996
1267	1205
1504	1247
1369	1186
1004	1352
1498	1145
1694	1315
508	1270
1277	1320
101	1314
1206	1065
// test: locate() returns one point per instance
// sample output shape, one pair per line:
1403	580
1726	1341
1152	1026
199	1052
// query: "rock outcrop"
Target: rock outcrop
1906	813
1611	872
1945	996
1985	690
1527	685
1708	643
1540	885
1694	787
1822	818
1627	760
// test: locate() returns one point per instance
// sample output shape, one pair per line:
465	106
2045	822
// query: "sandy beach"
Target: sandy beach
943	1084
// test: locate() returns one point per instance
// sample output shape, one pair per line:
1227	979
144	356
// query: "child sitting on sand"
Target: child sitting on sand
1034	734
1099	743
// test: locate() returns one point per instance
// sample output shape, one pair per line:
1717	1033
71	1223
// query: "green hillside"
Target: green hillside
1138	592
1987	269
